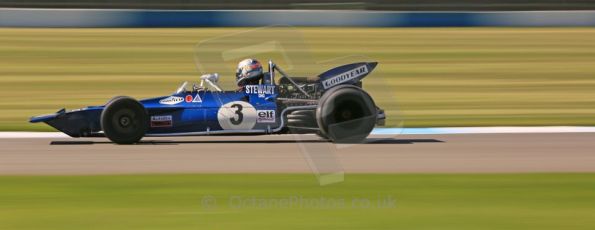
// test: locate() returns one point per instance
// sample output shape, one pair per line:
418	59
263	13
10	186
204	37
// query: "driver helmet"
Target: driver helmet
249	72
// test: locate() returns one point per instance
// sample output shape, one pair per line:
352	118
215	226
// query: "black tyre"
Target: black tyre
346	114
114	98
124	120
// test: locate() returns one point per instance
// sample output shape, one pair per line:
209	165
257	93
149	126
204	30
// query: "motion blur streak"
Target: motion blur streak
230	18
440	76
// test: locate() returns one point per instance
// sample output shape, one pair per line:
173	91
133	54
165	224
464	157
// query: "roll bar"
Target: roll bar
273	67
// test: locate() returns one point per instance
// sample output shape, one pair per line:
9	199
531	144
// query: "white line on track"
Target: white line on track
387	131
32	135
478	130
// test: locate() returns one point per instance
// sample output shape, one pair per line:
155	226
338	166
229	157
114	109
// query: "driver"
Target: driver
249	72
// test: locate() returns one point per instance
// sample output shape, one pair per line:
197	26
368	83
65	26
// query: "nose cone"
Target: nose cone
47	117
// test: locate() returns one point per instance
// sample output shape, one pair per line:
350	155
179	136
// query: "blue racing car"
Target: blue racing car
332	105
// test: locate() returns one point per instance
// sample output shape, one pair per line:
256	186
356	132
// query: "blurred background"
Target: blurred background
409	5
442	63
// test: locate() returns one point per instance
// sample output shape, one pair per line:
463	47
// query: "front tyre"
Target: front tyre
124	120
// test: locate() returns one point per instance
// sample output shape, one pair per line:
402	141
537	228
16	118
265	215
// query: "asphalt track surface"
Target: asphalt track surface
451	153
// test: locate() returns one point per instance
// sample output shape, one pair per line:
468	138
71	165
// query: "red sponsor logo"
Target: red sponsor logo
188	98
161	121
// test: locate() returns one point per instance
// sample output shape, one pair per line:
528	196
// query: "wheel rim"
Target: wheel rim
347	111
346	115
124	121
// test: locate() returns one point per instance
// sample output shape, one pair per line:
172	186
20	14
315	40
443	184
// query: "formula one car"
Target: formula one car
332	105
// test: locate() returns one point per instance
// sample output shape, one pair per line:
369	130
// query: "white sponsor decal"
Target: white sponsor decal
161	121
345	77
197	99
261	90
265	116
172	100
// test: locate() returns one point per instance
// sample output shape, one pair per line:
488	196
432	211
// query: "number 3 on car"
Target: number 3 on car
237	115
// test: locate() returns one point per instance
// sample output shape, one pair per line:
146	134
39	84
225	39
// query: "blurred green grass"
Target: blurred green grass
426	76
421	201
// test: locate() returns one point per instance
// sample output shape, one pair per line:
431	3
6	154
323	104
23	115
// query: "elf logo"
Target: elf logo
265	116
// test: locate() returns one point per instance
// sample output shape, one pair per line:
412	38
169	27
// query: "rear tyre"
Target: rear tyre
124	120
346	114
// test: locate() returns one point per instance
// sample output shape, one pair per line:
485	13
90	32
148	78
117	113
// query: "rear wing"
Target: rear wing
346	74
